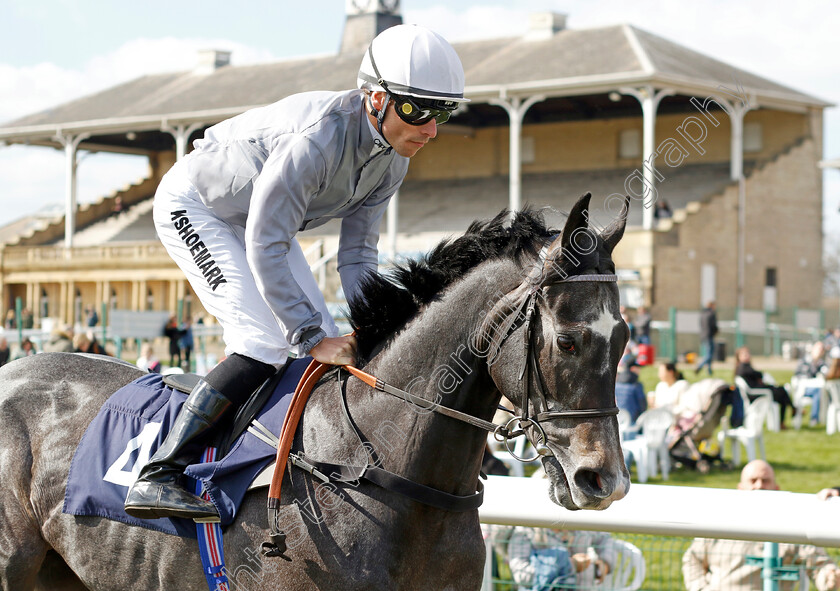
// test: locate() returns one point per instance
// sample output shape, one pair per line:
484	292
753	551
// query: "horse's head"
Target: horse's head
565	315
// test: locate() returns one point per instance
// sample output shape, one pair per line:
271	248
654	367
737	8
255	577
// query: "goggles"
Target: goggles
419	112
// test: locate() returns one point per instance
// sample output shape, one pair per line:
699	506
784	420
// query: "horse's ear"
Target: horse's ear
562	253
613	233
578	218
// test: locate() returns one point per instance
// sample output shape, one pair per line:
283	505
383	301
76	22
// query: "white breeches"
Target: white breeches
211	253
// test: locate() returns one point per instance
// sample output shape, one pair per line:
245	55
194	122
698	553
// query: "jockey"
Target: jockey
228	213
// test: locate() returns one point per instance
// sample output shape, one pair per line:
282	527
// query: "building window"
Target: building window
770	290
753	137
630	143
528	150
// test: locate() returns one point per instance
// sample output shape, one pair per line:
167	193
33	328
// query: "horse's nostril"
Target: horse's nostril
591	483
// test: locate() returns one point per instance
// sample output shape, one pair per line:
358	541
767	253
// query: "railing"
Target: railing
33	258
655	510
319	265
785	332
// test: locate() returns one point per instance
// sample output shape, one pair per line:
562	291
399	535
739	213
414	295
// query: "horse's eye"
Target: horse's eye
566	343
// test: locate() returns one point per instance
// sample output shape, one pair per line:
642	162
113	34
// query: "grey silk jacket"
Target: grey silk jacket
294	165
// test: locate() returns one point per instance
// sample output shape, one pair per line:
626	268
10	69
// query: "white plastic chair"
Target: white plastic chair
832	416
750	434
774	417
799	385
521	447
628	572
625	423
650	449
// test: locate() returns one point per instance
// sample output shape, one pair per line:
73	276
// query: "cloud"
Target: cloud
35	175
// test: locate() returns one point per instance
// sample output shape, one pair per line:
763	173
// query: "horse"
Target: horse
457	329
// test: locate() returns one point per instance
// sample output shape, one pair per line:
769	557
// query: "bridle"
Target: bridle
518	425
515	427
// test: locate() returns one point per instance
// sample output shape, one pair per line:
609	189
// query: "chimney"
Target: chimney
544	25
365	20
210	60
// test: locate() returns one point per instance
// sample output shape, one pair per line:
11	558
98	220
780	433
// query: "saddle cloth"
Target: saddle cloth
133	423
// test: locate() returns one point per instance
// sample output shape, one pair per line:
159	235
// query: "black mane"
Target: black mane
389	301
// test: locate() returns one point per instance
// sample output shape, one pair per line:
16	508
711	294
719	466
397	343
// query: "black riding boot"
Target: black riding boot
156	493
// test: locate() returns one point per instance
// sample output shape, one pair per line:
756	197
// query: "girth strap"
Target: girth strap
389	481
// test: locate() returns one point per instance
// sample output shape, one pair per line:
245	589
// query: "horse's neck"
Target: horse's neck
432	358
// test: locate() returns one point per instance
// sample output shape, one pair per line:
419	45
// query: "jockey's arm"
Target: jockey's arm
290	179
357	248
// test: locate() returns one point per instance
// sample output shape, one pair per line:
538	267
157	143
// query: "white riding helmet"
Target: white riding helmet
413	61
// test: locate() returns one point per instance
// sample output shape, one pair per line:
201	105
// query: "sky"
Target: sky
53	51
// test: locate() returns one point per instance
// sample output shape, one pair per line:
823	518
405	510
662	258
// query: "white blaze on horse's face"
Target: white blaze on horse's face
603	326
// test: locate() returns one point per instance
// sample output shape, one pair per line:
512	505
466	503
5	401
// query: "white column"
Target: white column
736	112
70	143
516	109
736	140
649	98
182	134
393	224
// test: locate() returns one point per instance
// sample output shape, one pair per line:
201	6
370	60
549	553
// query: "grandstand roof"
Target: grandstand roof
569	63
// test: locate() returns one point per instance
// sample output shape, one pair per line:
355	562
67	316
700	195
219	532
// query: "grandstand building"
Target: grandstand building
557	112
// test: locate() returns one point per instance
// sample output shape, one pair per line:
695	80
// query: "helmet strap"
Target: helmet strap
380	117
379	113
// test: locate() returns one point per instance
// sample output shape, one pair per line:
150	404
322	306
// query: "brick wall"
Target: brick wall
783	230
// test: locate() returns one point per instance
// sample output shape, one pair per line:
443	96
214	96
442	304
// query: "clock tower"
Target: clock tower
365	20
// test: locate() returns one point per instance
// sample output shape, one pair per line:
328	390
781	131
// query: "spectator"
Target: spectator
87	343
629	322
811	366
755	379
186	343
720	565
147	359
27	348
95	345
27	319
118	207
61	341
81	343
708	330
642	326
629	392
662	210
828	493
540	558
5	353
174	334
672	385
11	319
832	343
91	317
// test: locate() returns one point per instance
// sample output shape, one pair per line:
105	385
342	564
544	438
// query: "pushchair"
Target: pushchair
687	437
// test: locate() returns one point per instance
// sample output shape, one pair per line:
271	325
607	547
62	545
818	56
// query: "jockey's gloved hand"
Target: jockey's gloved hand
335	350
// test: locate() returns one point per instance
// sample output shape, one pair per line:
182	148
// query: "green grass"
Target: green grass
805	461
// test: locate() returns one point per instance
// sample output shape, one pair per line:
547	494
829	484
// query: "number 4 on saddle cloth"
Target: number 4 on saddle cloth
133	423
